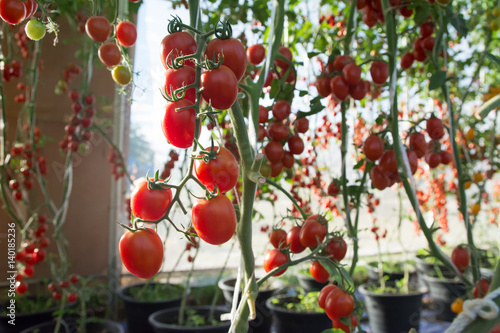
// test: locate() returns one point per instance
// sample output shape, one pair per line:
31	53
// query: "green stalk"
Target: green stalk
186	288
285	192
355	242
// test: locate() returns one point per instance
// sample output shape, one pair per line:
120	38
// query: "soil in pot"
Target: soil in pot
29	311
291	314
262	322
141	300
100	326
392	311
443	291
166	321
391	271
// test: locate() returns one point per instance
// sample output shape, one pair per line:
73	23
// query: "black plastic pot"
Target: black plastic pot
262	322
106	326
165	321
443	292
138	311
287	321
25	320
391	312
424	268
308	283
373	273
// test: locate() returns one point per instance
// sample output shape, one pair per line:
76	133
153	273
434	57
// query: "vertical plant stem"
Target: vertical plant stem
182	308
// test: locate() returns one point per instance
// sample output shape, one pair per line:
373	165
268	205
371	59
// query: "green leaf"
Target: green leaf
492	104
302	93
274	89
437	80
458	22
312	54
493	57
380	120
359	164
333	330
421	14
315	108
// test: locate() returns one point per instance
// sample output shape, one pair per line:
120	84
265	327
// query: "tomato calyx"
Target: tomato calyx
223	30
155	184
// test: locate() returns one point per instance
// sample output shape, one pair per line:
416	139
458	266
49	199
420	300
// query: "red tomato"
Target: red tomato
301	125
281	110
370	16
263	114
333	188
413	160
179	126
407	60
149	205
318	272
387	163
179	43
262	133
496	329
285	51
460	258
109	54
379	72
214	219
373	147
276	168
339	304
336	323
446	157
220	87
274	151
278	131
295	145
288	160
98	28
31	7
418	144
426	29
293	239
222	171
72	297
435	128
141	252
126	33
234	54
323	86
358	91
354	320
339	87
379	180
351	73
275	258
312	233
428	43
336	248
176	78
341	61
21	287
256	54
278	238
433	159
481	288
323	294
12	11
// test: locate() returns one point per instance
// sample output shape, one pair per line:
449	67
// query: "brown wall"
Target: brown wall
86	225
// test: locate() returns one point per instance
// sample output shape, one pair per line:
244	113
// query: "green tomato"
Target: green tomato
35	29
121	75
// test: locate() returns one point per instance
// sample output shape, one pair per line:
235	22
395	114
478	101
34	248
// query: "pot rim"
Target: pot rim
128	298
417	291
223	285
52	322
152	318
283	310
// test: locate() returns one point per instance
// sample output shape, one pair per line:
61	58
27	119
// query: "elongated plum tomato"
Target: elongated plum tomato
256	54
284	51
179	126
222	171
312	233
293	239
109	54
214	219
232	50
373	147
149	205
318	272
12	11
323	86
176	78
98	28
220	87
336	248
121	75
141	252
126	33
31	7
323	294
339	304
278	238
435	128
460	258
275	258
179	43
379	72
281	110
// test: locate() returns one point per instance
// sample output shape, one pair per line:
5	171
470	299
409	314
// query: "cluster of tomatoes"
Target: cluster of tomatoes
77	130
169	165
117	167
12	69
16	11
59	289
422	45
98	29
32	252
339	306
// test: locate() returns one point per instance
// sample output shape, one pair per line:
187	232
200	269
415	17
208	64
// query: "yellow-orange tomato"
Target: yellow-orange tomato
471	133
467	184
477	177
457	305
475	209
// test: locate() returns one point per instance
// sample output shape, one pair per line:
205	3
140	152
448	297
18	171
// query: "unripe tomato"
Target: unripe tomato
121	75
214	219
141	252
35	29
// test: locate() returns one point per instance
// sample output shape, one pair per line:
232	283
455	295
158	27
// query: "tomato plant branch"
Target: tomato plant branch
403	164
355	240
292	199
